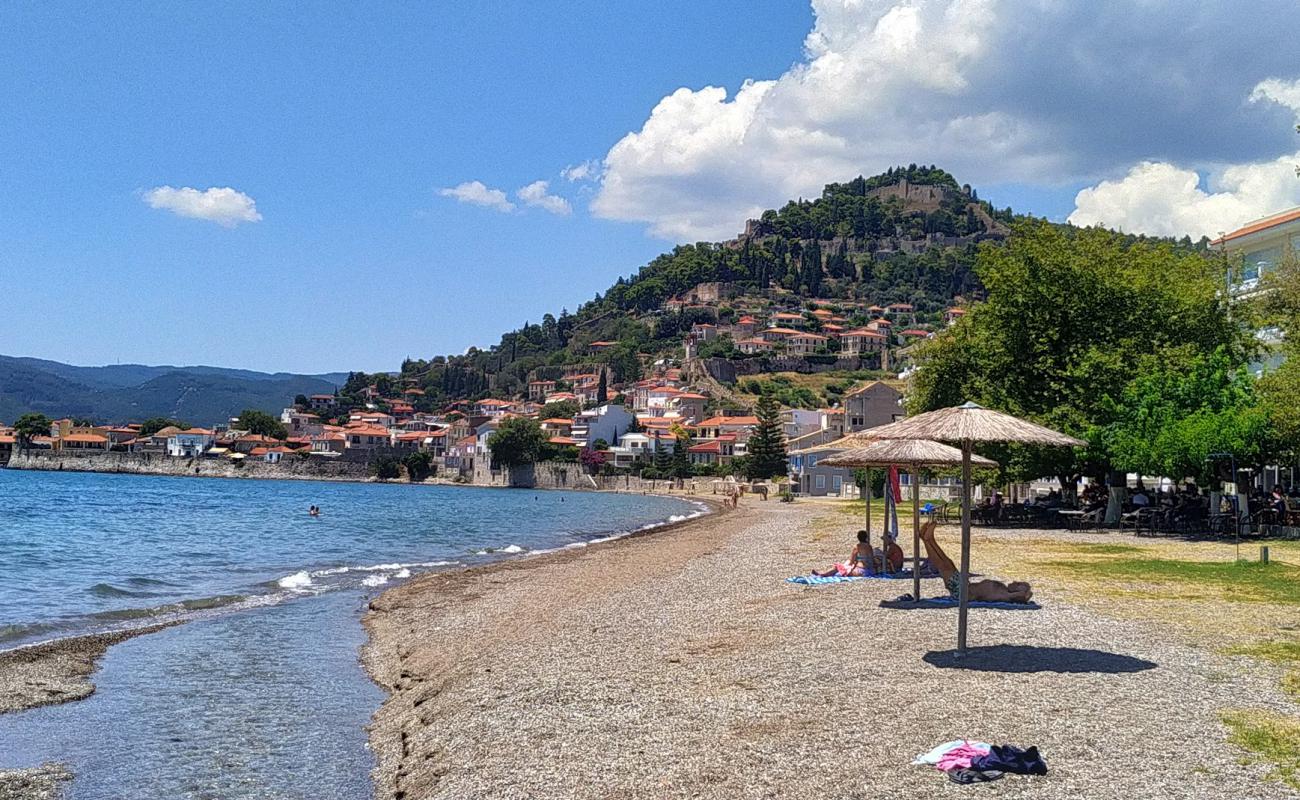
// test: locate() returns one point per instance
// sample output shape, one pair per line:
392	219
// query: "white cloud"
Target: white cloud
1275	90
997	91
222	205
587	170
1161	199
536	194
478	194
1165	200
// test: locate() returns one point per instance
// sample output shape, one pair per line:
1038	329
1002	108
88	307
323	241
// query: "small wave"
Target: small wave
218	601
138	581
14	632
402	573
415	564
109	590
378	579
298	581
508	549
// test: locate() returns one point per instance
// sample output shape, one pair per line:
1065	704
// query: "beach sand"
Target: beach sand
681	664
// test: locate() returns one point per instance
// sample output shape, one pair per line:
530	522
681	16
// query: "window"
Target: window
821	481
836	483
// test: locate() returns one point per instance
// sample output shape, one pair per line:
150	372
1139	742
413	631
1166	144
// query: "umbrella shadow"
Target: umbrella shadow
1024	658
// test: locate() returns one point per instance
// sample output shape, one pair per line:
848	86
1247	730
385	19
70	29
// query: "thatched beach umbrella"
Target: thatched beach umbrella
967	424
912	454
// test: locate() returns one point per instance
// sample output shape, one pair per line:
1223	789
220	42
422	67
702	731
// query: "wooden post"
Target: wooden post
916	534
963	595
1263	554
866	494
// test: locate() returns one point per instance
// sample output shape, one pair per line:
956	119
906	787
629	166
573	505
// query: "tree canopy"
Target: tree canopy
766	447
1073	318
261	423
518	441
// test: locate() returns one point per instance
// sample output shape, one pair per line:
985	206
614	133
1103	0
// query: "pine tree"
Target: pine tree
663	459
681	460
767	457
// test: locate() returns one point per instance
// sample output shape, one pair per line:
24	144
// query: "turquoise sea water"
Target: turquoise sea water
260	694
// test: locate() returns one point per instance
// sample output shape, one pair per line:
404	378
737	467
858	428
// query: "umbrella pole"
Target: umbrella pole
916	534
963	595
866	494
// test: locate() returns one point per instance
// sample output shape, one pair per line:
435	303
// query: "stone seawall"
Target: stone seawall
158	464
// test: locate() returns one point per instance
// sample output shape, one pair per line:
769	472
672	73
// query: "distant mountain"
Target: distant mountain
129	375
124	392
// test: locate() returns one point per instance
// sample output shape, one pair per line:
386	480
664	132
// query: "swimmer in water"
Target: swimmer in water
313	511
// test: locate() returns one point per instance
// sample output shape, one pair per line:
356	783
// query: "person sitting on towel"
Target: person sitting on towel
865	560
986	591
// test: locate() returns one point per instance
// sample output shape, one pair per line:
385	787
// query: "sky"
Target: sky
340	186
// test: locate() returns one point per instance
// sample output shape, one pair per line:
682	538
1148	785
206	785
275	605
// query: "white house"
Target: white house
190	443
607	422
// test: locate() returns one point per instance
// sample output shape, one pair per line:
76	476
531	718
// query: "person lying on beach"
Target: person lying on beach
985	591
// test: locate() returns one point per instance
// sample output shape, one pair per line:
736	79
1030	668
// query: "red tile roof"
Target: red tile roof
1261	225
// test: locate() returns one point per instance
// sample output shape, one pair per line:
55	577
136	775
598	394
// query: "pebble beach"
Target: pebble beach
681	664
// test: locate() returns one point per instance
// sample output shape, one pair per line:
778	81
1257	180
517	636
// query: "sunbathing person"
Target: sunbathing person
866	560
986	591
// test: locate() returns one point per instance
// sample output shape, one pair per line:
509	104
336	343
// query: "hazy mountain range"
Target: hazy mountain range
121	393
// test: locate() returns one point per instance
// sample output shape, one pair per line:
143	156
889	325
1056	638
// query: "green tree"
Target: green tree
561	409
261	423
1178	411
602	389
1070	316
29	426
516	442
301	401
154	424
766	448
419	466
681	458
386	468
663	459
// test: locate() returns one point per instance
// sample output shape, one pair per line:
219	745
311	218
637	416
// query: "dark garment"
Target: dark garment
965	776
1008	758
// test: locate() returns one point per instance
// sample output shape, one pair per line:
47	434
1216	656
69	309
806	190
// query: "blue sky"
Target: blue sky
343	124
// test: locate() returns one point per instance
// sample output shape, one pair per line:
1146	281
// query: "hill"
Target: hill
122	393
909	235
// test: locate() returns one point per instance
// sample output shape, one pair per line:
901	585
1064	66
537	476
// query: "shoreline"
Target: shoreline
58	671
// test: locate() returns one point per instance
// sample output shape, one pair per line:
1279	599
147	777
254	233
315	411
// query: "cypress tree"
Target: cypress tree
767	457
602	390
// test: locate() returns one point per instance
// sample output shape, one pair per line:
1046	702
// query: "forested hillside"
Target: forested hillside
858	241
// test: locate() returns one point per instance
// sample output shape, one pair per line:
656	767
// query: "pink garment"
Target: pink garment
960	757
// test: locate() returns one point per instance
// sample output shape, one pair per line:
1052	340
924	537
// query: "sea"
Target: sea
259	694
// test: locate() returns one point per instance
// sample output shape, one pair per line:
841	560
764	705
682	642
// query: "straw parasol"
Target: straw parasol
967	424
912	454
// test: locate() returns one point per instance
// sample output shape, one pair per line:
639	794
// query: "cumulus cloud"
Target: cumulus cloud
587	170
997	91
222	205
1162	199
537	194
477	193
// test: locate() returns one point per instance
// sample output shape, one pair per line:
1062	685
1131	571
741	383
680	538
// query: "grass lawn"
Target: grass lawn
1274	738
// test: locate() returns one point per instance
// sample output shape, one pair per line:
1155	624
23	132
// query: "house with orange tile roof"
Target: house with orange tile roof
778	334
537	390
367	437
752	346
1259	247
953	314
806	343
492	407
739	428
720	450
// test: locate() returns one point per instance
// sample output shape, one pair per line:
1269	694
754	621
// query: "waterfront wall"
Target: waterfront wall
159	464
570	475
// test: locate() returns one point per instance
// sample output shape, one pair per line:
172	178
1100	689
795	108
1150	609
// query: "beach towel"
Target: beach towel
816	580
906	602
961	756
931	758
